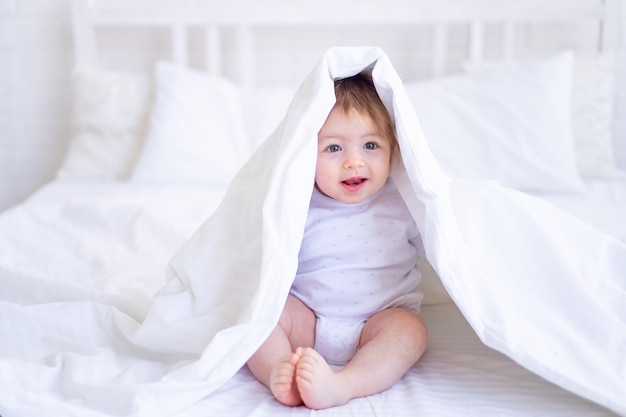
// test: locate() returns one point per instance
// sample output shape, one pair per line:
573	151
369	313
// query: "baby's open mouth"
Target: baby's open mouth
354	182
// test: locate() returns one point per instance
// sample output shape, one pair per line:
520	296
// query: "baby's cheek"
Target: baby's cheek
322	175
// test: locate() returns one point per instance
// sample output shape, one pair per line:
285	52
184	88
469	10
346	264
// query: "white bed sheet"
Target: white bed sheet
457	376
111	242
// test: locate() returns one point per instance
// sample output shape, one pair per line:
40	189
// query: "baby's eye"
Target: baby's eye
370	146
333	148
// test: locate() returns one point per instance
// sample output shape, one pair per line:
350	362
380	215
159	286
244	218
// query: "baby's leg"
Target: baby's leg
274	363
391	342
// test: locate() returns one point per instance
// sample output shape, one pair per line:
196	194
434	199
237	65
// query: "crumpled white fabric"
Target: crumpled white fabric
533	282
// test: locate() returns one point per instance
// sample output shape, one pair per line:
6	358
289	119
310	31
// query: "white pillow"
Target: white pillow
196	129
264	108
592	114
592	109
110	112
512	125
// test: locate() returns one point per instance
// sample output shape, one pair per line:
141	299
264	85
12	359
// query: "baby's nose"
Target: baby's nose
353	160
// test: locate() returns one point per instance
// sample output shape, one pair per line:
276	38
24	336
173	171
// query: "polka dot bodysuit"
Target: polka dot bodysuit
356	260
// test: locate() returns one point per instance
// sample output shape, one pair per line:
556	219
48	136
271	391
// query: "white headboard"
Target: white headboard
233	24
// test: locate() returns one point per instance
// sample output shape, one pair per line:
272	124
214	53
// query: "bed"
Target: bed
153	153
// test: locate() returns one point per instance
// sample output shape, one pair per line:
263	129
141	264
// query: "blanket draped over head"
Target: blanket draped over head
533	282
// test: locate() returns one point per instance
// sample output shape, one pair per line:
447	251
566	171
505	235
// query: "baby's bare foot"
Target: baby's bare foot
319	386
282	381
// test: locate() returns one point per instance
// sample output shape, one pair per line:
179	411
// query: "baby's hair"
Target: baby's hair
359	93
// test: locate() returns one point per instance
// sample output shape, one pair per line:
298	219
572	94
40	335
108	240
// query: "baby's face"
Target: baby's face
352	159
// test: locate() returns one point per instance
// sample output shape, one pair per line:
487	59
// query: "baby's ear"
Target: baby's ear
395	158
395	148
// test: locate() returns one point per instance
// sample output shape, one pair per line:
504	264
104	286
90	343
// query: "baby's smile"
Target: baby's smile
354	183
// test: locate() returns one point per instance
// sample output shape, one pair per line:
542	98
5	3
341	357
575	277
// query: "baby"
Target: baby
354	301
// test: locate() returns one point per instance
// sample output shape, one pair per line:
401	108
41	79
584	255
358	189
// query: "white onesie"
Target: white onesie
356	260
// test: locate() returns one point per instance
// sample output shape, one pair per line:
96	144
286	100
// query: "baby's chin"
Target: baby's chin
352	198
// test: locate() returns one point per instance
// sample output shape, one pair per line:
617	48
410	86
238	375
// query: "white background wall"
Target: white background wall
35	64
36	58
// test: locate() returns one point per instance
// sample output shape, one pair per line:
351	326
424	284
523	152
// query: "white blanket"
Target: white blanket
533	282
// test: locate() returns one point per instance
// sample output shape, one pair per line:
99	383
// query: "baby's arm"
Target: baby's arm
415	239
